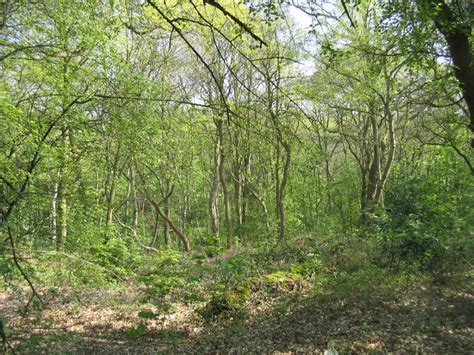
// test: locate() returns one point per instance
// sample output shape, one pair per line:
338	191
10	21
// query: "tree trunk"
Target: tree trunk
282	192
225	190
54	212
134	200
213	211
62	212
155	230
166	227
112	177
390	158
184	239
457	35
238	201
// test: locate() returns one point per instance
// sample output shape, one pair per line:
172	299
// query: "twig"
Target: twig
17	263
135	236
244	26
346	11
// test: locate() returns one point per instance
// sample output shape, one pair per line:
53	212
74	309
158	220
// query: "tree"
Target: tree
453	19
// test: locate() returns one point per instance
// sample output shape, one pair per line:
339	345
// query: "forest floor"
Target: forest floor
366	314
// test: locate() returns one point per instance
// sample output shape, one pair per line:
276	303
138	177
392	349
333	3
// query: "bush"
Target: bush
116	256
427	224
55	269
163	272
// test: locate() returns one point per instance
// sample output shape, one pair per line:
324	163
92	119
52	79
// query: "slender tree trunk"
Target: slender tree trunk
363	196
166	227
54	212
225	190
62	211
134	199
237	183
282	192
185	210
327	172
155	230
238	201
373	177
63	216
112	178
280	186
245	192
62	191
213	211
389	163
375	164
186	195
184	239
262	203
127	200
277	185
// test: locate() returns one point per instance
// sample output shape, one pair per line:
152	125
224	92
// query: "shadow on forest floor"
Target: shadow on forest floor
435	319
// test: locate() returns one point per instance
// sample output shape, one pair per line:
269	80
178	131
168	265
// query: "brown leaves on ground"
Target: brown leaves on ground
435	319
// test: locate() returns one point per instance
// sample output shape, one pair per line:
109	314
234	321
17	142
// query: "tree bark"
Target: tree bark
225	190
237	177
166	227
112	177
390	158
184	239
62	215
281	182
181	235
213	211
457	36
155	230
54	211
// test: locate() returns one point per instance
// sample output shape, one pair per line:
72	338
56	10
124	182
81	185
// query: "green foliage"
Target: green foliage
310	267
427	221
54	269
228	303
230	290
163	273
112	252
282	280
96	122
7	268
138	331
147	314
211	245
6	329
234	268
116	256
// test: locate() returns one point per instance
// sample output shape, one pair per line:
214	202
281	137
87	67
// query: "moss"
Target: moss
229	303
232	302
281	278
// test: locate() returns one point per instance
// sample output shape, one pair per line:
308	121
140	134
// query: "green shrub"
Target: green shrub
228	303
59	270
136	332
116	256
163	272
427	224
